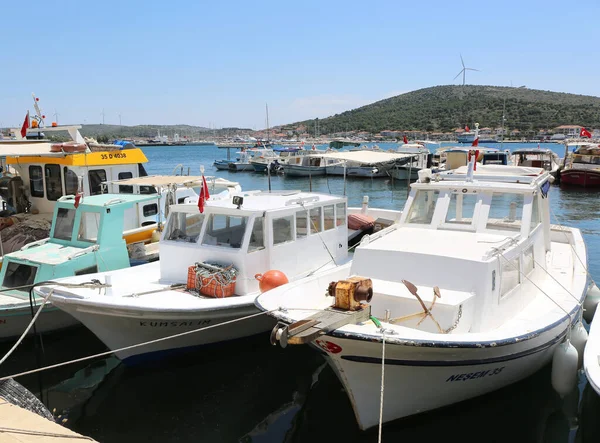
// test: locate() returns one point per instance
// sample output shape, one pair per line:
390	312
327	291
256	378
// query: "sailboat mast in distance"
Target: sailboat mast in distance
268	133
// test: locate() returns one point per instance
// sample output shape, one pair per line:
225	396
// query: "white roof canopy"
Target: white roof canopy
366	157
13	148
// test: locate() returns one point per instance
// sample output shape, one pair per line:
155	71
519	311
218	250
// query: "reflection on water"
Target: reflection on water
250	391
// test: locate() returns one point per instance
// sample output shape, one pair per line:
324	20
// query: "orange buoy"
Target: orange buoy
271	279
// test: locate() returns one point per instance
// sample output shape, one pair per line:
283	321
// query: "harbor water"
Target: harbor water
250	391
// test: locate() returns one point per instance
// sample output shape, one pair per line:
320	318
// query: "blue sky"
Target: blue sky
217	63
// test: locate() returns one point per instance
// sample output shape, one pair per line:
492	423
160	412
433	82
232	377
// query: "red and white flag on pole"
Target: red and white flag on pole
476	141
467	128
204	195
585	133
25	126
405	140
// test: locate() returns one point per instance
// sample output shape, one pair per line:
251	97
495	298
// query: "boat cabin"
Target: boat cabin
290	231
84	239
46	171
585	154
470	237
537	158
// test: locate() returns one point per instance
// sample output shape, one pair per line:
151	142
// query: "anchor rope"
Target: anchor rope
382	384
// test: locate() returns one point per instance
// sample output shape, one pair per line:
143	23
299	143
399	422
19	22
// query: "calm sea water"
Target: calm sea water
250	391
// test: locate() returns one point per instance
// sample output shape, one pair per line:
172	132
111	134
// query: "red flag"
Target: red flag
467	128
476	142
405	140
25	126
78	199
204	195
585	133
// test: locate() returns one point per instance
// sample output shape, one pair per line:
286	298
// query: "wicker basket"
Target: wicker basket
210	280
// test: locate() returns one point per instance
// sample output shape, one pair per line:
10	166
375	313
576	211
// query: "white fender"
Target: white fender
579	338
590	303
564	368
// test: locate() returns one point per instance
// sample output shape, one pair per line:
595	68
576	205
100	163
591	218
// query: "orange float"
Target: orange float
270	280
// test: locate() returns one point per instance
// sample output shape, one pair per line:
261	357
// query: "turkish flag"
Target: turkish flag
585	133
204	195
25	126
467	128
405	140
476	142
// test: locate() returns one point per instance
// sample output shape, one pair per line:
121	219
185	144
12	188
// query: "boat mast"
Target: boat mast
503	119
268	133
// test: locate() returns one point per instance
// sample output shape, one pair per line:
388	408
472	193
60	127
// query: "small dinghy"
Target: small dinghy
471	291
213	265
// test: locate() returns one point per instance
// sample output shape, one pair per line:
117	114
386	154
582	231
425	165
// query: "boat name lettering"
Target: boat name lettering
111	156
176	324
474	375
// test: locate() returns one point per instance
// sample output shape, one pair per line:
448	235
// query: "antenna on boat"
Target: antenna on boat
39	116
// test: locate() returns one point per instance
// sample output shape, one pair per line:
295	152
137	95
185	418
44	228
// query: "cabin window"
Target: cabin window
328	217
225	230
301	224
184	227
528	260
36	181
423	205
63	226
257	237
150	210
340	214
88	227
18	274
535	213
316	224
125	189
53	182
506	210
145	189
97	176
283	229
71	182
461	209
89	270
510	275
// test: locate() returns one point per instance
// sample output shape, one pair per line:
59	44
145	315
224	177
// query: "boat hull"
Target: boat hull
240	167
402	173
358	171
303	171
14	320
419	379
222	165
121	328
579	177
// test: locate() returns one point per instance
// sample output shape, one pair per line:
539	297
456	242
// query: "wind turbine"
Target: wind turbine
464	70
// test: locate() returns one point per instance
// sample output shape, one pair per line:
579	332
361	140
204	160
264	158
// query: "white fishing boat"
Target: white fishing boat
473	290
419	158
210	268
537	158
311	164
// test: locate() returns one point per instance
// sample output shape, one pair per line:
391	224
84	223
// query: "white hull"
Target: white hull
419	380
358	171
14	320
303	171
126	328
241	167
402	173
591	355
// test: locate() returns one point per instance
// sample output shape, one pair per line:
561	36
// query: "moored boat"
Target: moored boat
209	271
582	166
472	291
85	237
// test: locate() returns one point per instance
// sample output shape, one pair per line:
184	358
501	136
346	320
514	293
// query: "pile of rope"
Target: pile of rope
214	279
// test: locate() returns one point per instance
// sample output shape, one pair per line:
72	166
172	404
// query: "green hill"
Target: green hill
444	108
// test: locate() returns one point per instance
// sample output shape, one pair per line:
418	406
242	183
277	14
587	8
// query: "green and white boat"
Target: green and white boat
84	239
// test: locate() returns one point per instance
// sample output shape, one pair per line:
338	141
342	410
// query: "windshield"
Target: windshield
63	225
184	227
225	230
421	210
